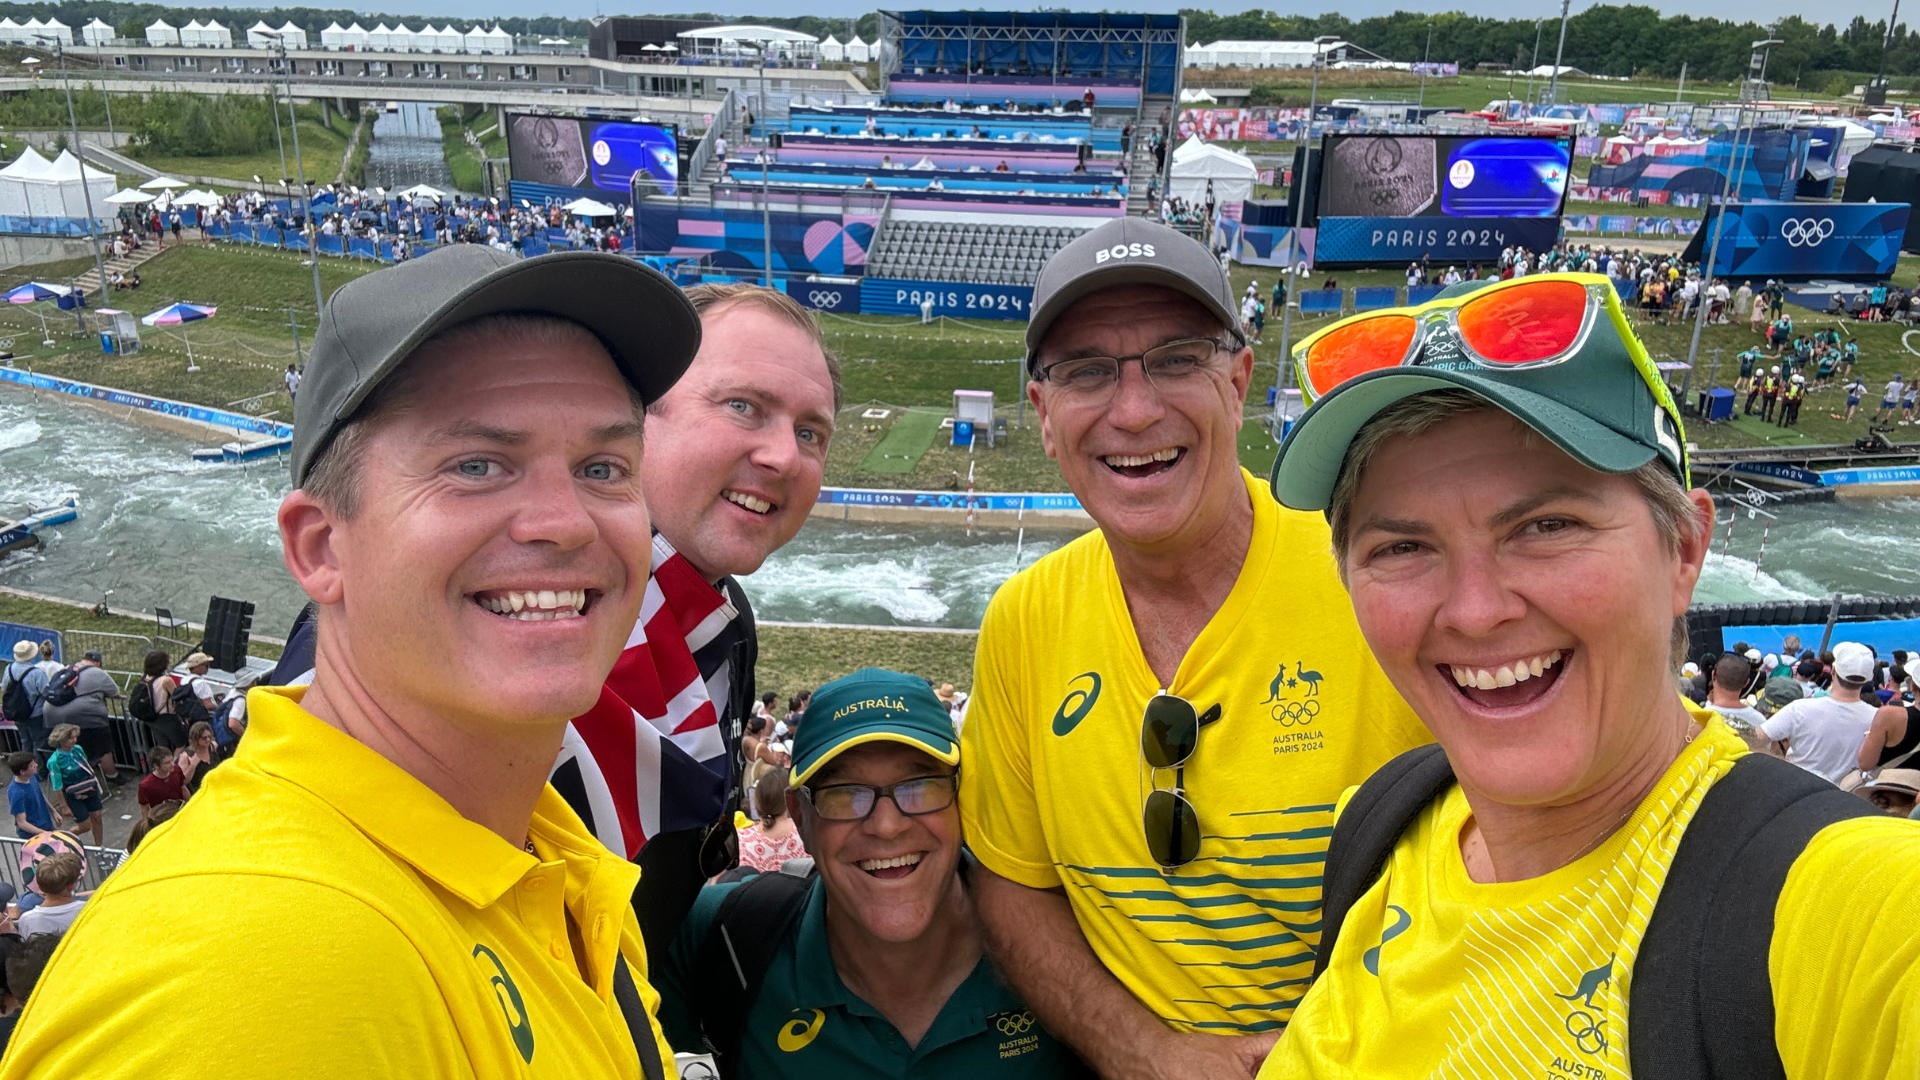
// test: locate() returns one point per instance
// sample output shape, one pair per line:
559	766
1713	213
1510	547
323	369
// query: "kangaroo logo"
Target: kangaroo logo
1590	984
1401	920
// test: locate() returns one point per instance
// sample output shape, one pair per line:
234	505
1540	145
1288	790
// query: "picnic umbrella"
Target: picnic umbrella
162	183
126	196
589	208
34	292
176	315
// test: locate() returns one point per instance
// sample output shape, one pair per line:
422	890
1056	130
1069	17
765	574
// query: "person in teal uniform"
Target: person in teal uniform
871	964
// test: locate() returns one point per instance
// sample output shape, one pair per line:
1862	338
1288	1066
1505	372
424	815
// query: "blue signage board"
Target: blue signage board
1890	474
947	500
1856	241
1792	474
200	413
884	296
1364	241
839	297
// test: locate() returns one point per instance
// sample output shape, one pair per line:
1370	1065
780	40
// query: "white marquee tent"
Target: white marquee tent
34	187
261	36
162	34
859	52
97	33
378	38
1197	162
499	41
292	36
401	39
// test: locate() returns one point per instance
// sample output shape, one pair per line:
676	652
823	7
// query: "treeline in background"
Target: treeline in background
173	124
1613	40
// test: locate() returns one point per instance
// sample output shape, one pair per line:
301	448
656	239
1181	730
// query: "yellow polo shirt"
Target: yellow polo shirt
316	911
1054	786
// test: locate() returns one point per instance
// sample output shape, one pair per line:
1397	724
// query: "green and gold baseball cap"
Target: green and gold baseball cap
1554	350
872	705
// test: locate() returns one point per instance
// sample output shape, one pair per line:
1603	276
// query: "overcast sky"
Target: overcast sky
1839	11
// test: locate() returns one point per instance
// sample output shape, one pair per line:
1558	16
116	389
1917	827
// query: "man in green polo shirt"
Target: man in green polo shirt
873	966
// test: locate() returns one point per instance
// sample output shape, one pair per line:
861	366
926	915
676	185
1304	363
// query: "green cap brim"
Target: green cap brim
881	729
1308	465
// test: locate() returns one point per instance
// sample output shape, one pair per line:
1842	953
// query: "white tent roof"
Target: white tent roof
97	24
333	28
855	42
197	198
288	28
28	166
356	28
161	183
128	195
9	24
68	167
498	34
421	191
260	26
829	41
746	33
1203	160
588	208
158	24
196	25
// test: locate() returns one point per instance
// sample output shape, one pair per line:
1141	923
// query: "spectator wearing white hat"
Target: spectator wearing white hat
1894	791
1823	735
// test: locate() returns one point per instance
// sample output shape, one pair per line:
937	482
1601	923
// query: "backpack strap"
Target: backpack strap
1703	960
1365	834
754	920
627	994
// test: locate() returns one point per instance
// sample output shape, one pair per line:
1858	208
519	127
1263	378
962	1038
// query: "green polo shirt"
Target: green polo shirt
805	1022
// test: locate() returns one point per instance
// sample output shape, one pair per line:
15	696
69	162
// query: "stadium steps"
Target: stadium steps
89	282
1140	170
970	254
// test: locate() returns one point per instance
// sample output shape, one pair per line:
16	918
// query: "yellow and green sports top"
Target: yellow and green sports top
1436	975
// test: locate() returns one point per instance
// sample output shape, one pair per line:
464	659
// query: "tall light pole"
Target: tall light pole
1533	65
1293	234
300	173
1553	88
79	155
1720	219
766	147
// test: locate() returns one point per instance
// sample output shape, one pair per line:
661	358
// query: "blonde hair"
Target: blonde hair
58	736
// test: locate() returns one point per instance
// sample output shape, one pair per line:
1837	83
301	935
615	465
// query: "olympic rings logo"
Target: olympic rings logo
1296	713
1806	232
824	298
1589	1034
1014	1023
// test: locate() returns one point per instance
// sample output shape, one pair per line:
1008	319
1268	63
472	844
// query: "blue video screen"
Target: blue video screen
1379	176
594	157
1458	198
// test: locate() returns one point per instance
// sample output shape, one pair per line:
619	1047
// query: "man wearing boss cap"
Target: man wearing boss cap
1165	710
397	890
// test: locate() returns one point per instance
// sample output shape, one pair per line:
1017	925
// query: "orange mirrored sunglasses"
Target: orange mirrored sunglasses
1524	324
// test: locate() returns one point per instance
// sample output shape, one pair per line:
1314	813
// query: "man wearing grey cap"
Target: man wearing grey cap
1166	710
397	889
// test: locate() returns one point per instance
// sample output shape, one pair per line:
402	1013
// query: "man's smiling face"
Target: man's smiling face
736	450
1144	458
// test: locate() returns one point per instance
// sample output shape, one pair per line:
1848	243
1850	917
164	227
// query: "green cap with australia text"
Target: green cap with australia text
871	705
1604	405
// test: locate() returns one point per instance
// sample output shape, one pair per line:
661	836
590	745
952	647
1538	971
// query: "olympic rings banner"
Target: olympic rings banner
841	298
1857	241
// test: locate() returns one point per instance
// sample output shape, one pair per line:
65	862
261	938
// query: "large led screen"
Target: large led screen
585	157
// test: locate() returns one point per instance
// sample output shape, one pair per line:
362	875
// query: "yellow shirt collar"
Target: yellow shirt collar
399	812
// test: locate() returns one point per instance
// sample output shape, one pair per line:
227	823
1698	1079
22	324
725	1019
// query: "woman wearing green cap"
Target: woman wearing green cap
1585	878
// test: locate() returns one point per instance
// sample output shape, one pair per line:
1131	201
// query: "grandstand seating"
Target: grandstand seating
951	251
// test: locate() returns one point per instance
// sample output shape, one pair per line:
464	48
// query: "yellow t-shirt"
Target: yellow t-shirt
1436	975
1054	783
315	911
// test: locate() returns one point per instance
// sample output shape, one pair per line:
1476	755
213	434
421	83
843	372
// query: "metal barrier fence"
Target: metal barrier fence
100	863
120	654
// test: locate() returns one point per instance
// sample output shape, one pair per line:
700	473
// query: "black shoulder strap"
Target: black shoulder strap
1366	832
731	961
639	1024
1702	1003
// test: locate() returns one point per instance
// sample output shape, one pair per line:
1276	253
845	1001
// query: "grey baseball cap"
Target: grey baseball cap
374	323
1128	251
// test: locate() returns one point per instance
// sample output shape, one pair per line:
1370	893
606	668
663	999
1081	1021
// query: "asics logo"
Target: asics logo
1806	232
